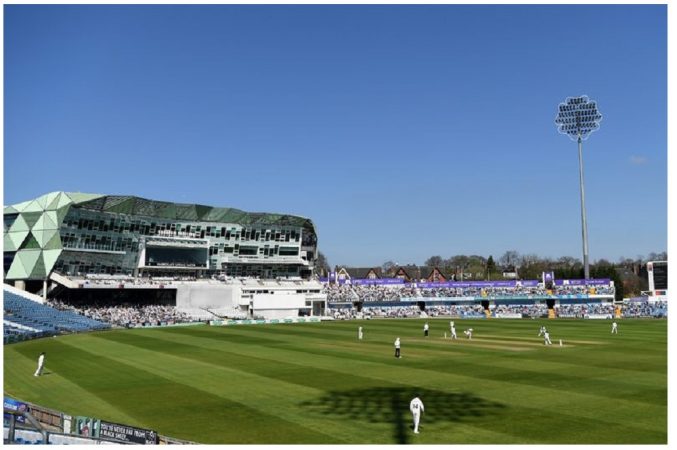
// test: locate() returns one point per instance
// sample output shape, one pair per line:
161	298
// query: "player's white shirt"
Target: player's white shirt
416	405
425	327
41	360
546	338
397	343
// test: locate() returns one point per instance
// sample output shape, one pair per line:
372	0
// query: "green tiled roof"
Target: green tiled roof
182	211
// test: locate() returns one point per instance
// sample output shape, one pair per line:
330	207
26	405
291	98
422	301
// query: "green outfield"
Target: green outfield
316	383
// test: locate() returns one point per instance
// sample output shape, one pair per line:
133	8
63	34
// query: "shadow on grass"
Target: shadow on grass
391	405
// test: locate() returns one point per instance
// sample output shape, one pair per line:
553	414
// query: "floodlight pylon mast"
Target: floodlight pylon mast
584	222
577	118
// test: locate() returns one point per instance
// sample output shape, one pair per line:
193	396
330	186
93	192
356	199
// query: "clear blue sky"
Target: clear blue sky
401	131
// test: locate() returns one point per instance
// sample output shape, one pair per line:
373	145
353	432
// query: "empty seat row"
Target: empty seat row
44	319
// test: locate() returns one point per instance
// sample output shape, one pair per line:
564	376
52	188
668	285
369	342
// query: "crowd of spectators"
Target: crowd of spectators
383	293
392	311
482	292
407	311
569	290
127	315
645	309
340	293
343	313
115	280
582	310
369	293
658	309
525	310
455	310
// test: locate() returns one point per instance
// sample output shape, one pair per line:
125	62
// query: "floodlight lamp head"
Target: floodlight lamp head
577	117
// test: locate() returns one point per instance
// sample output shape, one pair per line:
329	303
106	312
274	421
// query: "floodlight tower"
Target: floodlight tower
577	118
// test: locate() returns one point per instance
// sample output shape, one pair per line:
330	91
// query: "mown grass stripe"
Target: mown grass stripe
270	384
136	392
542	395
52	390
517	379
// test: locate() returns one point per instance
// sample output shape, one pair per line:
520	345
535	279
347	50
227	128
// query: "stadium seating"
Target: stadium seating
24	319
342	293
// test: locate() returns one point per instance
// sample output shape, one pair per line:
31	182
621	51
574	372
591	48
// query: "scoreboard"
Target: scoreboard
657	272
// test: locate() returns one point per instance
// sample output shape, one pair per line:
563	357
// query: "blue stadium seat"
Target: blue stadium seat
44	319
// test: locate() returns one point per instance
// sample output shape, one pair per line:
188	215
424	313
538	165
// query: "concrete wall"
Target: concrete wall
195	296
278	306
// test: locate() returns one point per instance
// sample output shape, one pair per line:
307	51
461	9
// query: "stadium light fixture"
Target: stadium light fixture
578	117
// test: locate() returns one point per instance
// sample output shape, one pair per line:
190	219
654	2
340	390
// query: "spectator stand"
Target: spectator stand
26	318
508	298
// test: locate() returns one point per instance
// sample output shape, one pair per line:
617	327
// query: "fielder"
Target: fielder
397	348
542	331
416	408
41	365
453	330
546	338
614	328
360	335
426	328
468	333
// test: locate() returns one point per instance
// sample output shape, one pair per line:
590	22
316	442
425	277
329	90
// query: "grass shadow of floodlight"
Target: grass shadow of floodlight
391	405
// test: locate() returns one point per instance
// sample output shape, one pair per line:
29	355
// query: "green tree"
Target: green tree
491	267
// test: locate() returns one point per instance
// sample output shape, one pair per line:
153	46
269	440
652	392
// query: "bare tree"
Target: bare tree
509	258
387	266
567	262
321	264
434	261
458	261
528	260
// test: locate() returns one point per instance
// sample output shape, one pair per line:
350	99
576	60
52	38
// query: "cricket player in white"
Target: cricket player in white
546	338
397	347
416	408
468	333
453	330
614	328
41	365
359	333
541	331
425	329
